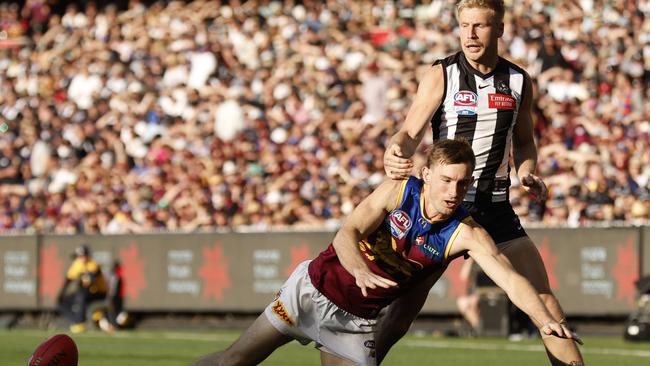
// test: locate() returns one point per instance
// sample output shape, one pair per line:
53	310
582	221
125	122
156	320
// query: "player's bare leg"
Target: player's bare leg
525	258
468	308
251	348
328	359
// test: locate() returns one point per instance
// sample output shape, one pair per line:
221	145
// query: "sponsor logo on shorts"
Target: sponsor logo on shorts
465	103
369	344
281	312
400	223
501	101
277	295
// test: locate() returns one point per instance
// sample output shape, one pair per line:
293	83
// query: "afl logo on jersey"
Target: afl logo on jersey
400	223
465	103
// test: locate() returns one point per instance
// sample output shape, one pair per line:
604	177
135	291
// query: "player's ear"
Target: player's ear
427	174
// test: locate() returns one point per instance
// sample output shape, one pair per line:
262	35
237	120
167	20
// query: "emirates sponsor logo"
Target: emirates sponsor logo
501	101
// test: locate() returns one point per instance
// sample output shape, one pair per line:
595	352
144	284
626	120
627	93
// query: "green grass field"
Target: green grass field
180	348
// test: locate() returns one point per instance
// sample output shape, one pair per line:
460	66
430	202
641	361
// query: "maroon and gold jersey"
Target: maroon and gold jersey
405	248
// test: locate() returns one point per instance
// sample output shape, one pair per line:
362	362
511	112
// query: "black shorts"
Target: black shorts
498	219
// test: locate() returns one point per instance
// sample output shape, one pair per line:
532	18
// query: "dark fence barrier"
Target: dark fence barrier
592	271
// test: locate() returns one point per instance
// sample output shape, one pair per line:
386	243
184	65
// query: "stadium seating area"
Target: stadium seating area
264	115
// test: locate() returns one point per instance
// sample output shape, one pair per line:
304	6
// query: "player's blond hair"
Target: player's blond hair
495	5
451	152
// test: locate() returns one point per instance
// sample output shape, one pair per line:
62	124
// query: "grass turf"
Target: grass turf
180	348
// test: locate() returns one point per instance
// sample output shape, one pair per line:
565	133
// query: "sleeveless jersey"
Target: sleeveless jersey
483	109
405	248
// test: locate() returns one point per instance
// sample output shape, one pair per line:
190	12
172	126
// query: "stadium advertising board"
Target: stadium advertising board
591	271
18	263
189	272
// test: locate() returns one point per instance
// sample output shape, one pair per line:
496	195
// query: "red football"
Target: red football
58	350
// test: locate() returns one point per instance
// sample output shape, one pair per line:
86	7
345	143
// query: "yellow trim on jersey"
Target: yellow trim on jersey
422	212
366	249
398	203
453	236
400	196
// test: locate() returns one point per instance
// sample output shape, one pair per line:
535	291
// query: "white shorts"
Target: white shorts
300	311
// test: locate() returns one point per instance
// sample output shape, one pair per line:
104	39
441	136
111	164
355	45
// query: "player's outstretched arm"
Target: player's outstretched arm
402	145
482	249
363	220
524	149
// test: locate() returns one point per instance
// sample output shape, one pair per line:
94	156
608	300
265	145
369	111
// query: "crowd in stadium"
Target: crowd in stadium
261	115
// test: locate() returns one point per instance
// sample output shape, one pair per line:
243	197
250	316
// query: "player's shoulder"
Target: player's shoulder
511	65
434	74
449	60
388	193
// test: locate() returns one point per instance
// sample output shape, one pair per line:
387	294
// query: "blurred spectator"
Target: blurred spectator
262	115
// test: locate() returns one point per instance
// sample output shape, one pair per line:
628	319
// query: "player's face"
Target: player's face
479	33
448	184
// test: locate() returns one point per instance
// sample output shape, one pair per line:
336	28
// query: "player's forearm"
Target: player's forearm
524	296
525	157
346	244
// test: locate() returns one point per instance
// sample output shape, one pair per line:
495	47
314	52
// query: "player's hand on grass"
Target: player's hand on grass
560	330
395	164
535	186
365	279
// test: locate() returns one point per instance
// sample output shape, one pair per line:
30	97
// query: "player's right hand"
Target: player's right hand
561	331
395	164
365	279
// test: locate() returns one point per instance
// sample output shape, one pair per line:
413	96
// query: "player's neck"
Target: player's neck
486	64
430	213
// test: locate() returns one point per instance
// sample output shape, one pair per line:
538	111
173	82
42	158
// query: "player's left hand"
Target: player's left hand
365	279
535	186
560	330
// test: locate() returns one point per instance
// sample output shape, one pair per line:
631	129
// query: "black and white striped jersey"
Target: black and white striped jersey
483	109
